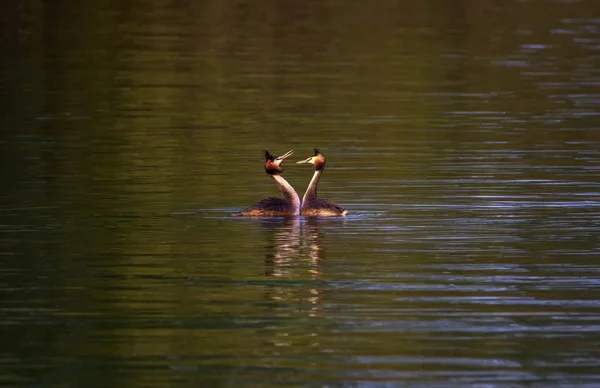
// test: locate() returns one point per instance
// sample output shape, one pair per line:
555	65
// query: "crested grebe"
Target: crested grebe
311	204
273	206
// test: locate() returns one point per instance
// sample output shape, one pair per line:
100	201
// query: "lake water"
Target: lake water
463	138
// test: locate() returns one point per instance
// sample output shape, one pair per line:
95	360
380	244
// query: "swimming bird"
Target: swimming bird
273	206
311	204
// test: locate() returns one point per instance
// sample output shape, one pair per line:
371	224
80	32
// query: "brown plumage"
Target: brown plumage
312	205
273	206
269	207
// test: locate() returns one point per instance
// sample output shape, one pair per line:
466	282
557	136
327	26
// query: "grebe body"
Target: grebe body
289	205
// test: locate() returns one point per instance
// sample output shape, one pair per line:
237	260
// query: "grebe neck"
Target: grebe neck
311	190
288	191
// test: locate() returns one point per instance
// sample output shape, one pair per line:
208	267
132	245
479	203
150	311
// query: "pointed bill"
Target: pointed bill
289	153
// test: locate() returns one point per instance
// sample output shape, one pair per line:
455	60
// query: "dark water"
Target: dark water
463	137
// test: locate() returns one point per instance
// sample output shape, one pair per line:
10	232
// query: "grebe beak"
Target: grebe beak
305	161
289	153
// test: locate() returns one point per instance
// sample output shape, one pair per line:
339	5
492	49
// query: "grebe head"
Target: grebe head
273	163
318	160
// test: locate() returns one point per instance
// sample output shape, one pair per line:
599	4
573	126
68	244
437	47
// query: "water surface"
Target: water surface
461	137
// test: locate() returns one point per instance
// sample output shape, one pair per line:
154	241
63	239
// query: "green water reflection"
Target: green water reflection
462	136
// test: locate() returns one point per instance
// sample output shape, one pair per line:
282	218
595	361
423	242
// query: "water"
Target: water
462	138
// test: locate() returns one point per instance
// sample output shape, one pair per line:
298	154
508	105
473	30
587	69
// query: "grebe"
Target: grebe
311	205
272	206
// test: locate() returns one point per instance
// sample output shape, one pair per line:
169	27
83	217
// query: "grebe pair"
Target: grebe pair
311	205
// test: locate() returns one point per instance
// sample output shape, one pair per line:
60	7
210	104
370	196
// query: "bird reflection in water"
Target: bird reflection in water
293	243
294	264
294	255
